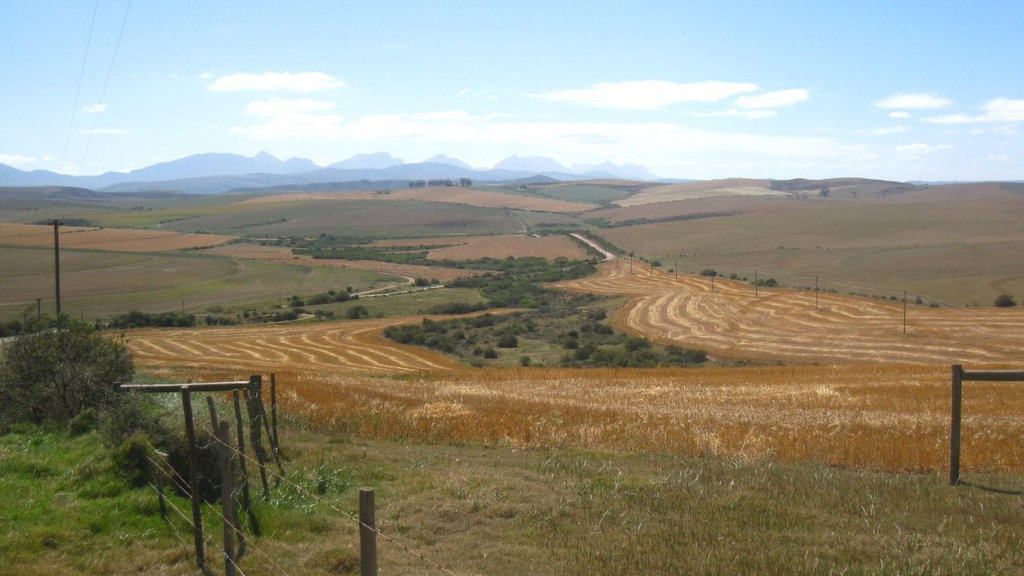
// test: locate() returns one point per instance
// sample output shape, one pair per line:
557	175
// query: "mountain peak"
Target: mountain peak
445	159
537	164
376	160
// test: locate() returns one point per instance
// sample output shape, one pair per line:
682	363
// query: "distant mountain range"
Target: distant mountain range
213	173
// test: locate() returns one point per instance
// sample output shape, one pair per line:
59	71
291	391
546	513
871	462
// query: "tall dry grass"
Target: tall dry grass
893	418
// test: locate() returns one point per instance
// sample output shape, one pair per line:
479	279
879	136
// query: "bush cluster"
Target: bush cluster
56	369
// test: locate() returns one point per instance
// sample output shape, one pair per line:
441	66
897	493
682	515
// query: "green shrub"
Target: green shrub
56	370
131	459
357	312
1004	301
86	421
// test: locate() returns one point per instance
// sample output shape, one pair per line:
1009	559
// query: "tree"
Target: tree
1004	301
55	370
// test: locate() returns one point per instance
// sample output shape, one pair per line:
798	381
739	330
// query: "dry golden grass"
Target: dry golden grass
346	378
121	240
706	189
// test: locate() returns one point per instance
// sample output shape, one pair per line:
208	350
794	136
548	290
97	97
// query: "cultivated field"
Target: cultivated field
282	255
881	402
952	244
731	321
120	240
449	195
97	283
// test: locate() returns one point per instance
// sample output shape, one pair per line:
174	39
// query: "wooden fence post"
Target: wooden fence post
227	497
225	444
367	533
256	433
244	468
957	387
273	409
193	478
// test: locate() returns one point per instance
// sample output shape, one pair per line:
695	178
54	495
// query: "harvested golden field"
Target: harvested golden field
450	195
326	347
706	189
345	377
116	239
731	321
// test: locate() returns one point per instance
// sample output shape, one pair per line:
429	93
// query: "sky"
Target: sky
898	90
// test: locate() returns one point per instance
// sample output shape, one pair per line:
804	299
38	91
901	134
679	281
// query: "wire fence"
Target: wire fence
244	459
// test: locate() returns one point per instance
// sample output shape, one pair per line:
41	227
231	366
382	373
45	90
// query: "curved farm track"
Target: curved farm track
328	347
730	321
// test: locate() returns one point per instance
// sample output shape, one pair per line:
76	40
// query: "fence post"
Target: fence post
227	498
256	432
193	478
273	409
957	387
244	468
367	533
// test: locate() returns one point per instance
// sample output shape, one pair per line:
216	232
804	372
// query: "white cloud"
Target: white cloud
646	94
775	99
921	101
298	82
656	144
95	109
286	118
16	160
998	110
206	76
899	114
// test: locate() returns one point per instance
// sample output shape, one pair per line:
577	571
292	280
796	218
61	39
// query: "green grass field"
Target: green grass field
498	510
97	284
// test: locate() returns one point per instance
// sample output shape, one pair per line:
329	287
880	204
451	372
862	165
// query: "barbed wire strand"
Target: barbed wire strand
346	514
248	542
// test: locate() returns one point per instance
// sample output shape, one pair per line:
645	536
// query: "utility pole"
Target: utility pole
815	292
56	259
904	312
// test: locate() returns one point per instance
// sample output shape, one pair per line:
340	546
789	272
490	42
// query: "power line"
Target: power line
103	94
78	91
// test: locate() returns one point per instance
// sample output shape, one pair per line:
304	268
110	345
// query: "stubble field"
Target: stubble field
876	400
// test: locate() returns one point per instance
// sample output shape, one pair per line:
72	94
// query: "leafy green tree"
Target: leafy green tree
55	370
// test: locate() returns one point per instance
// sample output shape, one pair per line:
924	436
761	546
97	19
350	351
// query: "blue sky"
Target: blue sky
900	90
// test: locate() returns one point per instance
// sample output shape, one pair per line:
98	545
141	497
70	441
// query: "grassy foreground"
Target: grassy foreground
497	510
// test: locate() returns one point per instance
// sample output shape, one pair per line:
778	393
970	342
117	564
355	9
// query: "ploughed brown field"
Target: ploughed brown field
857	393
117	239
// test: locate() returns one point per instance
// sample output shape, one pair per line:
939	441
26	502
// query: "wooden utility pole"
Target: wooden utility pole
904	312
56	260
